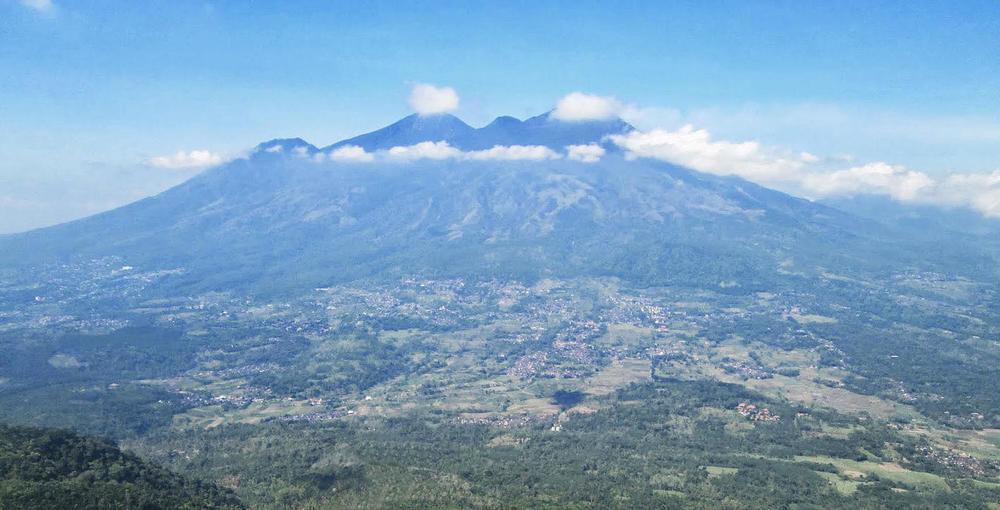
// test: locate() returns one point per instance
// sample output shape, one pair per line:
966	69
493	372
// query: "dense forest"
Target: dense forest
55	469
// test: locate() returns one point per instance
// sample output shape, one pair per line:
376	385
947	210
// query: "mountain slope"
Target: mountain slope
925	221
278	220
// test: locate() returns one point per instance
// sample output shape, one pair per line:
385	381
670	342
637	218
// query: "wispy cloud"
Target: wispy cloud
45	6
806	174
427	99
819	119
186	160
939	143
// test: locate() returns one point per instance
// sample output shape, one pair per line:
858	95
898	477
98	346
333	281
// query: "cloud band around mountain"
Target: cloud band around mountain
439	150
799	173
803	174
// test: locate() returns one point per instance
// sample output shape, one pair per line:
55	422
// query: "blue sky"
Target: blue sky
90	91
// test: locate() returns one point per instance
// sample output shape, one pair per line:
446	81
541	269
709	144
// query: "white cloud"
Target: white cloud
978	191
590	153
876	178
424	150
427	99
695	148
184	160
577	106
442	150
807	174
934	142
350	154
514	152
39	5
800	173
808	158
650	117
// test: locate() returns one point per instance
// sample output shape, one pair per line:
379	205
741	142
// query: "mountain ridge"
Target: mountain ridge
504	130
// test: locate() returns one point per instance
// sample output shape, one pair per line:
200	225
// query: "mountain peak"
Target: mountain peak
545	130
504	120
504	130
434	119
285	145
410	130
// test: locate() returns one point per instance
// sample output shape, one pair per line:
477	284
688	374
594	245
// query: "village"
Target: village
285	347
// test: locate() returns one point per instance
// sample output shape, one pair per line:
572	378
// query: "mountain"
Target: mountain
278	221
926	221
481	333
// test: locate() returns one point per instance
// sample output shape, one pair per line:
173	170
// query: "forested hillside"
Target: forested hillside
55	469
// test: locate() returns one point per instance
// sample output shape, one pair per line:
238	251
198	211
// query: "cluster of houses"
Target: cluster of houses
960	461
746	370
526	367
754	413
504	421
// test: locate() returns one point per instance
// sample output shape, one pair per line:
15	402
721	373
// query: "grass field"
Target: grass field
720	470
856	470
208	417
843	485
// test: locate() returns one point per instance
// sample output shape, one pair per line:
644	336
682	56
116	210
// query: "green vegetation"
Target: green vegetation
54	469
489	393
651	445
